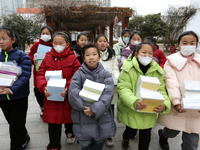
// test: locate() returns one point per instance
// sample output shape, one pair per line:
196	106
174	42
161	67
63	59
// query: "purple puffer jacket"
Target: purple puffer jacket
101	125
125	53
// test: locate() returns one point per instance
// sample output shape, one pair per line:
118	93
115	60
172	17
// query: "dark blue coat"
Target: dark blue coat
101	125
20	88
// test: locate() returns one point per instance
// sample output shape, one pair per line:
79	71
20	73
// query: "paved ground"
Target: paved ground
39	134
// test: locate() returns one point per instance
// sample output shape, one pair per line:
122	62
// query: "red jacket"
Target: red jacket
57	112
160	56
33	50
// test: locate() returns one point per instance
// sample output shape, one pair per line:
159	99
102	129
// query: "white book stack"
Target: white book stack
6	82
91	91
56	74
146	91
190	91
147	83
55	87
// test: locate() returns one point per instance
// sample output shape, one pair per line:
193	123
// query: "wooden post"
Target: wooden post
48	17
125	23
111	35
103	30
91	36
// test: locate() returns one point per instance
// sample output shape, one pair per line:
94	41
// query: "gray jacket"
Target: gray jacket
101	125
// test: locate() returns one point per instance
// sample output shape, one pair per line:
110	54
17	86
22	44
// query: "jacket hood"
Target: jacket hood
128	64
178	62
85	69
121	43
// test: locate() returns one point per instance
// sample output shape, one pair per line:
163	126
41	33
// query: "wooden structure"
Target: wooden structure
87	18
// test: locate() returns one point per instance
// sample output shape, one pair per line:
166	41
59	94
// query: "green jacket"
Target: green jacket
126	105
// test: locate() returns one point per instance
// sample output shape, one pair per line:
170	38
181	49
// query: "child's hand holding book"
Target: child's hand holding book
159	109
140	105
88	111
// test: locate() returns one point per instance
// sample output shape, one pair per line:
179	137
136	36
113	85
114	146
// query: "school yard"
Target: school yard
39	131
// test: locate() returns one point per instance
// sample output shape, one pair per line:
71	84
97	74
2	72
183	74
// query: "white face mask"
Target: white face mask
59	48
45	37
135	42
126	39
144	60
187	50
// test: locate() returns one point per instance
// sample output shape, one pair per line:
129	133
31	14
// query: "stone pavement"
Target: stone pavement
39	133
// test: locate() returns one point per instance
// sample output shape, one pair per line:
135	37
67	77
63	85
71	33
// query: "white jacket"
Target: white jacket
110	65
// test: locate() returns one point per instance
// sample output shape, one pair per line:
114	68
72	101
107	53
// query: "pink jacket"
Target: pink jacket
178	69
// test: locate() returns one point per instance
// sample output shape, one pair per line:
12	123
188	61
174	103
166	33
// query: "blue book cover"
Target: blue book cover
43	48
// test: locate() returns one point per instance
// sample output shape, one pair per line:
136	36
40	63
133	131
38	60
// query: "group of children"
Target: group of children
93	123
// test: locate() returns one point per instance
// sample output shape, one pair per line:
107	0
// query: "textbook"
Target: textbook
5	82
43	48
55	74
191	103
39	56
190	89
91	91
151	98
55	87
149	83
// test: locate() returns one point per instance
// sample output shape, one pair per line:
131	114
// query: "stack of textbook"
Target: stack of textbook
91	91
146	91
55	85
190	91
9	72
39	56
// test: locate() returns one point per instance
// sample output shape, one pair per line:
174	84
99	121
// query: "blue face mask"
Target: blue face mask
126	39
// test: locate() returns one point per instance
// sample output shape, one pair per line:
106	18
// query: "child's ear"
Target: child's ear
13	40
178	46
136	54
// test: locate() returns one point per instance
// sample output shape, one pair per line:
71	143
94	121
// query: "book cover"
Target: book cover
152	99
91	91
55	87
145	82
43	48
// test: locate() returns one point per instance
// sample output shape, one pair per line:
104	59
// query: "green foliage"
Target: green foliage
25	29
150	25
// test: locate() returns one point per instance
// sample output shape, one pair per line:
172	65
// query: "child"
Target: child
159	56
110	63
45	39
82	40
141	64
183	65
134	40
123	41
92	123
14	99
58	113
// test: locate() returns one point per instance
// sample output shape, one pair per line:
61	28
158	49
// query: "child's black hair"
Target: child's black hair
188	33
133	33
90	45
82	33
140	46
48	28
124	31
65	35
111	52
150	39
11	34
